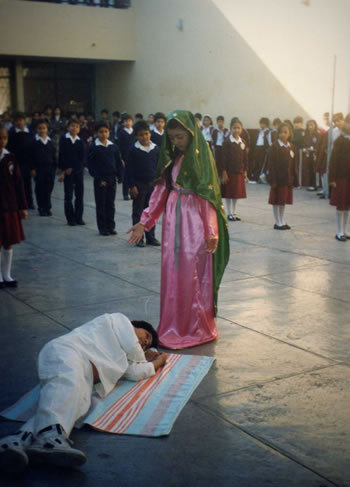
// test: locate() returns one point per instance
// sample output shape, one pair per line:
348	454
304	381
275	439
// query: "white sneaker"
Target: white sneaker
13	456
52	446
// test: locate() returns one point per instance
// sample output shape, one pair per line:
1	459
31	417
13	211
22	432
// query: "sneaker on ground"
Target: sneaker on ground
52	446
13	456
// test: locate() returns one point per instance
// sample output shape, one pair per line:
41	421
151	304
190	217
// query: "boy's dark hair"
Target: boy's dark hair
265	121
71	121
198	115
140	126
101	125
148	327
104	110
298	119
126	116
220	117
138	115
159	115
19	116
41	121
277	121
338	116
116	114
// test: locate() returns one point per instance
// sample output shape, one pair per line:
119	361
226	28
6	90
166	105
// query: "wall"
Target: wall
66	31
207	67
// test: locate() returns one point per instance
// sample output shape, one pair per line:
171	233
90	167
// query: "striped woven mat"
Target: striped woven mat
145	408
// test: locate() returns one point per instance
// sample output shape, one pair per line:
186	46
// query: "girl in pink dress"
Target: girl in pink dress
194	234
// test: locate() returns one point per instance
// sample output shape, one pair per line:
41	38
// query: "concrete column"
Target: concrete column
19	85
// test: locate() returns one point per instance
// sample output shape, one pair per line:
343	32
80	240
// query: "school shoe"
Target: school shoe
49	213
71	223
287	227
141	244
322	197
347	236
2	285
113	232
13	456
340	238
52	446
279	227
153	241
104	233
236	218
230	218
12	283
319	193
80	222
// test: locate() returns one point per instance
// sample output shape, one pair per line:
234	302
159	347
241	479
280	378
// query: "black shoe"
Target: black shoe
322	197
278	227
2	285
72	223
49	213
230	218
347	237
105	234
236	218
141	244
43	213
153	241
340	238
126	198
113	232
287	227
11	283
80	222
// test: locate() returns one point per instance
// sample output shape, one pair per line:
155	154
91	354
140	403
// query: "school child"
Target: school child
71	163
274	131
262	144
58	126
338	120
234	170
115	126
311	140
141	167
13	206
84	132
244	135
207	130
198	118
219	135
138	117
282	175
20	144
104	163
339	180
33	122
126	140
151	121
44	165
158	131
104	118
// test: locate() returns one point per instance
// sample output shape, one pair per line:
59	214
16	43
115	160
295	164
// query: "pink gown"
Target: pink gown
186	308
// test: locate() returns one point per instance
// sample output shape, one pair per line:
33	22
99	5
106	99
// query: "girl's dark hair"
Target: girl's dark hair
101	125
277	121
283	125
41	121
148	327
141	126
159	115
265	120
235	120
315	124
71	121
220	117
174	154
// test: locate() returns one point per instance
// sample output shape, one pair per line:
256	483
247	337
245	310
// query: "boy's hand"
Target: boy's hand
137	233
61	178
151	355
69	171
23	214
246	177
134	192
103	183
160	361
224	177
33	172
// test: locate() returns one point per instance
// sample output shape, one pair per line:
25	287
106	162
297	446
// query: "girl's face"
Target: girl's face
236	130
206	121
42	130
144	137
160	123
3	139
311	127
74	129
180	138
128	123
220	124
284	134
103	134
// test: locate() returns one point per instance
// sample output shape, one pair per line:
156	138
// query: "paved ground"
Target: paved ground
273	411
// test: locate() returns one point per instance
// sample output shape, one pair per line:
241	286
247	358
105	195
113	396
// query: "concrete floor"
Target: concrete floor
273	410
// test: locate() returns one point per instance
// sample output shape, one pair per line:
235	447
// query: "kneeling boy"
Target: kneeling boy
93	356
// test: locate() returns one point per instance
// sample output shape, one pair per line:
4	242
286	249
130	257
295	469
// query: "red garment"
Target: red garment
321	153
235	163
235	187
339	172
282	165
340	196
311	141
281	195
11	229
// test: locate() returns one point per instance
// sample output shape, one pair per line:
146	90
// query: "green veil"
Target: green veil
198	173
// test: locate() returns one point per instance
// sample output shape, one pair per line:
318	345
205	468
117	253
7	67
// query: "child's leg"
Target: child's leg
100	198
234	204
6	264
79	196
68	197
110	204
229	206
339	222
345	223
276	215
281	209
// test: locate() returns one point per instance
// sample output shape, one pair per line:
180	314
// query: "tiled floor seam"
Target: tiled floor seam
266	443
279	340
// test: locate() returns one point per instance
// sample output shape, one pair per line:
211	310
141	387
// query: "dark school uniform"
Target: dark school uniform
282	173
339	173
126	140
44	163
20	144
219	137
72	155
235	163
308	176
12	200
321	153
104	163
157	137
262	145
140	172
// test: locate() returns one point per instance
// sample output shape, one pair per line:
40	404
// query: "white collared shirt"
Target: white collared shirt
287	145
68	136
260	139
98	142
220	137
147	148
3	153
155	130
129	130
44	141
206	131
19	130
238	141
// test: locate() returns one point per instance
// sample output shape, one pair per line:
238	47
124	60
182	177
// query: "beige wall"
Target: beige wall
207	67
66	31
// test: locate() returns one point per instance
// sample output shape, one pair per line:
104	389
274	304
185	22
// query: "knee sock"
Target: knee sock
281	209
276	215
229	206
6	263
345	223
234	203
339	221
1	278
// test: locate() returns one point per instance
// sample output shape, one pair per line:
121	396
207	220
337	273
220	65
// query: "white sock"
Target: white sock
339	221
234	204
281	212
1	278
229	206
6	263
276	215
345	223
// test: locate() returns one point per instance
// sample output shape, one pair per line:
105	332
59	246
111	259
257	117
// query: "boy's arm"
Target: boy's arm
91	161
142	370
61	155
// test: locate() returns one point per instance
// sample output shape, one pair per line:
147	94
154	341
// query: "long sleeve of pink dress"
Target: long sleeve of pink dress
187	311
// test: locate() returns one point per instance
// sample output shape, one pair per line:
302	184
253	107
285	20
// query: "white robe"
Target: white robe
65	371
